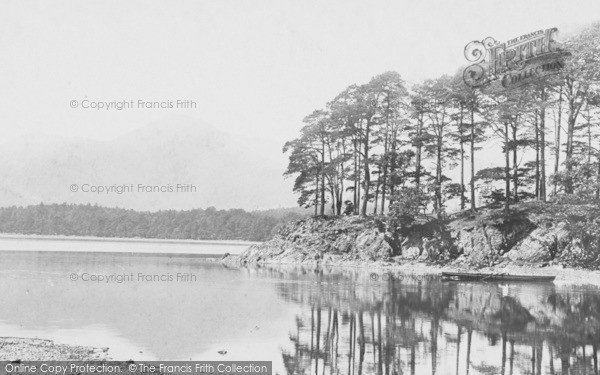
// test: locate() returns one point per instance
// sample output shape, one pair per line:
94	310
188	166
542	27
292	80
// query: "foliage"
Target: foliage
583	224
581	177
384	143
407	205
88	220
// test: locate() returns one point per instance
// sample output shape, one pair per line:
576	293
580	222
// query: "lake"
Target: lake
13	242
178	306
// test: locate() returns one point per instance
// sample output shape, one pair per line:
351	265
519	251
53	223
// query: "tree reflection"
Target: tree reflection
352	326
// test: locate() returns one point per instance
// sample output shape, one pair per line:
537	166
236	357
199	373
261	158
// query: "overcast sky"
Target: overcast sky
255	67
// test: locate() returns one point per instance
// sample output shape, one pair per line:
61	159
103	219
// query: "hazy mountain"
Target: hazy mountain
227	172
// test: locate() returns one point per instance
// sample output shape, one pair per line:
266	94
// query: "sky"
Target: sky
253	68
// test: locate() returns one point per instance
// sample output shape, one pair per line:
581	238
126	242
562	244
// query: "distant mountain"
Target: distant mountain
227	172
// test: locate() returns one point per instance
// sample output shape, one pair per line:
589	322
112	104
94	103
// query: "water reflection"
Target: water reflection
139	320
351	325
306	322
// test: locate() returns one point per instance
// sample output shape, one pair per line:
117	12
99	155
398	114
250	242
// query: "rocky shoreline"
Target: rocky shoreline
567	276
533	239
35	349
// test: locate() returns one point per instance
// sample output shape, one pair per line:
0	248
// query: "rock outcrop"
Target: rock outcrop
534	233
484	238
323	240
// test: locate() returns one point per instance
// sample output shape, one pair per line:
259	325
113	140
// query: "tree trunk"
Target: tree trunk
515	164
543	153
358	184
383	190
355	190
537	157
333	182
385	169
376	203
438	177
317	194
506	168
569	153
418	153
473	207
341	194
391	178
333	195
557	131
367	176
323	179
574	108
462	162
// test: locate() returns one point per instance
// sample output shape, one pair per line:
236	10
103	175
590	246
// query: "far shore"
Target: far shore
79	244
58	237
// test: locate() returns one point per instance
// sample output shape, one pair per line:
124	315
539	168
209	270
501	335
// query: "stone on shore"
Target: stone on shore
33	349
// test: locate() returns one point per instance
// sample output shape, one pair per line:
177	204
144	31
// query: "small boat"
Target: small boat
472	276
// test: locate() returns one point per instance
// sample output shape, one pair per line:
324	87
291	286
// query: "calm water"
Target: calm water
112	245
306	322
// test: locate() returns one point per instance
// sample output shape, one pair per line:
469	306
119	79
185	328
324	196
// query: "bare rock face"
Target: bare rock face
372	244
479	242
541	245
484	240
412	253
322	240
